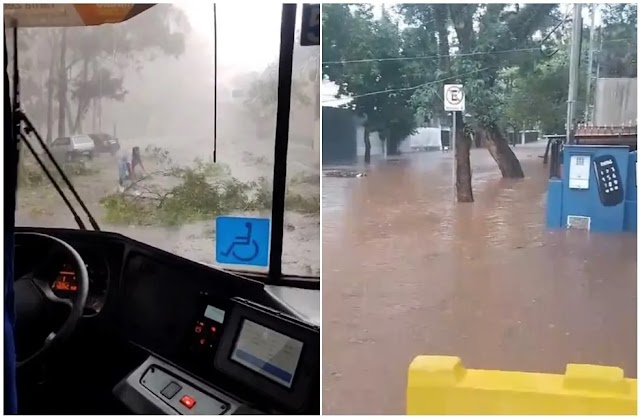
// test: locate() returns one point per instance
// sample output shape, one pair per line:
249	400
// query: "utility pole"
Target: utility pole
574	69
587	106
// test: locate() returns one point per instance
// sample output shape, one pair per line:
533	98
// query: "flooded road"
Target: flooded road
406	272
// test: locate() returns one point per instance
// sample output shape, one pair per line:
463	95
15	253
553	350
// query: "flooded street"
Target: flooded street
406	272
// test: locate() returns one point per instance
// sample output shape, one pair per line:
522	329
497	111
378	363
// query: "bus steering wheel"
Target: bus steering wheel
37	307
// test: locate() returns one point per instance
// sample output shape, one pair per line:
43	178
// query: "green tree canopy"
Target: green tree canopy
354	47
94	61
536	97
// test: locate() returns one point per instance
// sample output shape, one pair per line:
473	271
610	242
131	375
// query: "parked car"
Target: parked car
73	148
105	143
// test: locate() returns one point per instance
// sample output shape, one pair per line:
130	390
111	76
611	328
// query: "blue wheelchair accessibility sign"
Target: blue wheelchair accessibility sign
243	241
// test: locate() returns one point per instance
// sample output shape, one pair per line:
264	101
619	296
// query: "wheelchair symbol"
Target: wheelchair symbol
243	241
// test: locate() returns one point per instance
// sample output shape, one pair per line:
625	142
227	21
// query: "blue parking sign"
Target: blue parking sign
243	241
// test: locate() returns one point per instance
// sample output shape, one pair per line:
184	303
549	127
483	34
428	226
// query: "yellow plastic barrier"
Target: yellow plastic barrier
440	385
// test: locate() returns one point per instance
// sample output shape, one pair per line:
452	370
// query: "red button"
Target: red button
213	329
188	401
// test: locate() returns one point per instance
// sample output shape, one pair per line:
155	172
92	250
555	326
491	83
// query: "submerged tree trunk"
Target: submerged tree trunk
464	190
462	16
367	145
392	146
502	154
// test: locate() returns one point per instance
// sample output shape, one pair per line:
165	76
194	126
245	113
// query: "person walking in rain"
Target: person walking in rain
136	160
123	171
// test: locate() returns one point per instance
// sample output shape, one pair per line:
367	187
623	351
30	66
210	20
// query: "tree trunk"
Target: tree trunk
392	146
69	117
464	189
94	101
441	22
367	145
100	116
83	102
477	139
50	87
502	154
62	84
462	17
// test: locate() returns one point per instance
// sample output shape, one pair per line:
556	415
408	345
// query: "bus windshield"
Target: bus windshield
137	98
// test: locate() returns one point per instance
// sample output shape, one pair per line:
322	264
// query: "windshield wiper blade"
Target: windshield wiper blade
23	138
30	129
19	117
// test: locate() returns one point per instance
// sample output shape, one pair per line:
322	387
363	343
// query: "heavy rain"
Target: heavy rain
149	83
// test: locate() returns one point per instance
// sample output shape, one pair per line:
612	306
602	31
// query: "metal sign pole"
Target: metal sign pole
452	140
454	102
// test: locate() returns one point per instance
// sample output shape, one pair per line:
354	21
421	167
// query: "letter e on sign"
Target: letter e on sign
454	99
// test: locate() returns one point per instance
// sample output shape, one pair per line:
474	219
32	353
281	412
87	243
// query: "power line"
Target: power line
408	88
468	54
431	82
428	56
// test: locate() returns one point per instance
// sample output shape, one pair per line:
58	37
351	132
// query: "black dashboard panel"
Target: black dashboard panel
155	299
161	300
156	305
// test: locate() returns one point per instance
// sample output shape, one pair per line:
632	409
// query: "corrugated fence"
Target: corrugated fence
616	102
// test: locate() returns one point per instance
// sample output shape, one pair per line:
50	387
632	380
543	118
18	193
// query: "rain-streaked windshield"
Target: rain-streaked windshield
143	91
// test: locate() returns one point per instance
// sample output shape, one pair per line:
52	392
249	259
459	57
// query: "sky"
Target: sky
248	33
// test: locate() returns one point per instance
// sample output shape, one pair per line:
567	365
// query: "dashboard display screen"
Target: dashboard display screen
214	314
267	352
66	280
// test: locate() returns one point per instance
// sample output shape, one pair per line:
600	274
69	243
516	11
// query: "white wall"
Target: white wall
425	138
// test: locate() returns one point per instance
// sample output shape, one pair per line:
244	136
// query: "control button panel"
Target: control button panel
206	335
206	330
181	396
609	181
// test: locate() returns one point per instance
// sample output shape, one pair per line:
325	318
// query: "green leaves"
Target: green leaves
350	32
537	92
495	53
619	41
94	57
200	191
539	98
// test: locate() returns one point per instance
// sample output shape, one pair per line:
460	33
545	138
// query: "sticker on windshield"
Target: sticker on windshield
243	241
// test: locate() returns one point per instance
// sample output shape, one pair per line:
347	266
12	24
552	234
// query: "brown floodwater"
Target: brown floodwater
406	272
